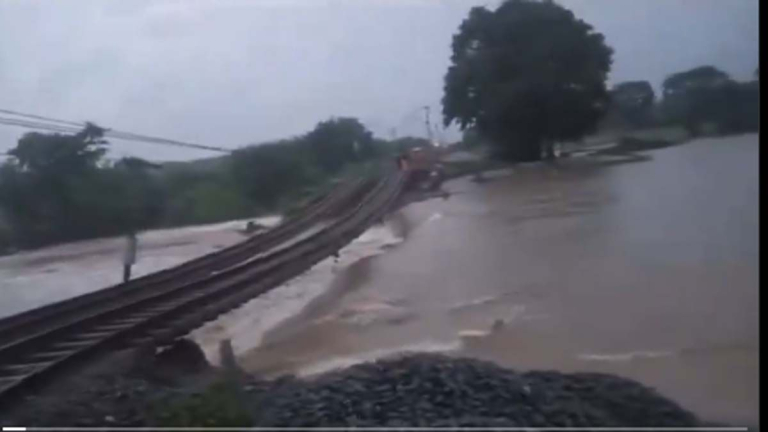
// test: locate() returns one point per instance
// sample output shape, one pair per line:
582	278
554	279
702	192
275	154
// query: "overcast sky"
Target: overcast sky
233	72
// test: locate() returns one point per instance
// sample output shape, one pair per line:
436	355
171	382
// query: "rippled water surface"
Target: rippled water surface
647	269
642	266
34	278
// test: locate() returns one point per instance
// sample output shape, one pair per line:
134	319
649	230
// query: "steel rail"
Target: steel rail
47	316
160	318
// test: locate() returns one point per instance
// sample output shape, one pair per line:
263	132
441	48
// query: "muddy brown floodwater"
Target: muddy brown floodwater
34	278
646	269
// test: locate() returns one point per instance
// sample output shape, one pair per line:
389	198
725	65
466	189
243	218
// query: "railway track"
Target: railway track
172	309
51	315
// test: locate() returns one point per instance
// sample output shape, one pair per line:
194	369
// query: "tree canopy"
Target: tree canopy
271	171
525	75
59	187
56	187
267	171
706	94
694	79
338	141
634	101
56	153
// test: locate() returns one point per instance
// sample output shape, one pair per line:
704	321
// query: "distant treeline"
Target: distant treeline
526	75
703	100
57	188
703	96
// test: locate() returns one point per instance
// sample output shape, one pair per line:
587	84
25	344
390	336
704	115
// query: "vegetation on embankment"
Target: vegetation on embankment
220	404
57	188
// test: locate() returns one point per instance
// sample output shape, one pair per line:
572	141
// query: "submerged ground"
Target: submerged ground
646	267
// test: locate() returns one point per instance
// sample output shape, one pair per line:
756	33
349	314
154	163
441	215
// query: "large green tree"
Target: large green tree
59	154
526	75
58	187
39	184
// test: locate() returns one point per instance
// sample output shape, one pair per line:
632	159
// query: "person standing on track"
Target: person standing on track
129	258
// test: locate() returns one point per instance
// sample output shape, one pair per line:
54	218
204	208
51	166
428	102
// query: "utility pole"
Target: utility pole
439	134
129	257
427	123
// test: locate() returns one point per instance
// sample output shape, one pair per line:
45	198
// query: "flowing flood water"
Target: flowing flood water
35	278
644	268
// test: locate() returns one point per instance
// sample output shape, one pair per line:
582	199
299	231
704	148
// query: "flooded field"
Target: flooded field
648	269
644	267
32	279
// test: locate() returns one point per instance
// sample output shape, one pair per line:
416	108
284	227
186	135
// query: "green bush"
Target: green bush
58	188
218	406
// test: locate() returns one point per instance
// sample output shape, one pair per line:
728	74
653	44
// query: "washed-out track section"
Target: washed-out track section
169	307
55	314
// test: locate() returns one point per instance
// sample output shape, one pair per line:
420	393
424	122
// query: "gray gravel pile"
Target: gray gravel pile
435	390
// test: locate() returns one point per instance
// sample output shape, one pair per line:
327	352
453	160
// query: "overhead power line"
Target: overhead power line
50	119
36	125
66	126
